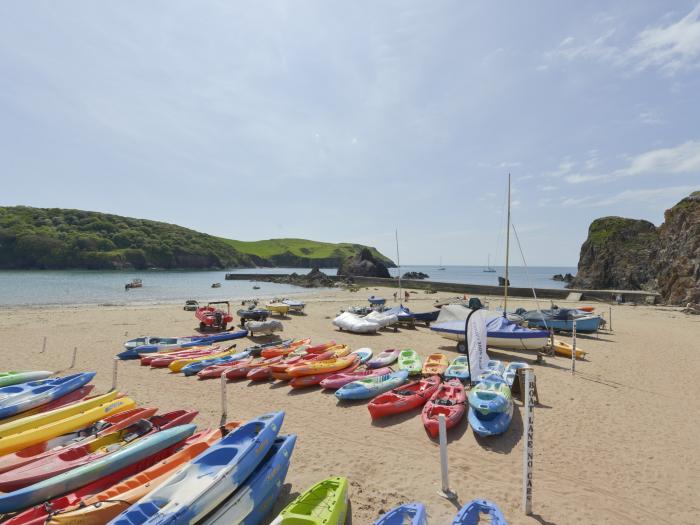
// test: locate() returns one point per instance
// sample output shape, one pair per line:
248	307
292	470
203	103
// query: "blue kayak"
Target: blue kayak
365	354
490	424
491	395
408	514
25	396
257	496
458	369
81	476
477	511
208	480
371	386
195	367
376	301
135	353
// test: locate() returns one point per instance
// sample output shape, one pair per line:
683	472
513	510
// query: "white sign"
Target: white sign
528	436
476	343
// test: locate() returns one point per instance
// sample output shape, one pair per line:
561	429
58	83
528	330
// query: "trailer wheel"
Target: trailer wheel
462	347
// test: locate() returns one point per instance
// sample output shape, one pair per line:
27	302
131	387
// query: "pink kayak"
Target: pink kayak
164	361
214	371
343	378
147	359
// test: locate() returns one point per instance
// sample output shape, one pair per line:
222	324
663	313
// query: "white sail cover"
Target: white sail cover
476	343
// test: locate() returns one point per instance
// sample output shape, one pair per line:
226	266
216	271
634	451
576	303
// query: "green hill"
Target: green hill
55	238
301	253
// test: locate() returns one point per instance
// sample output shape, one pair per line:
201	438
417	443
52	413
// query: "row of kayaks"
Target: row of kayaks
472	513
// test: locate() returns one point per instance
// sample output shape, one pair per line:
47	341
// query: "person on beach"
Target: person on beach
407	295
394	296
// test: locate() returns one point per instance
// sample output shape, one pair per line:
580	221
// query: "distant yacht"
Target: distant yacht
441	267
489	268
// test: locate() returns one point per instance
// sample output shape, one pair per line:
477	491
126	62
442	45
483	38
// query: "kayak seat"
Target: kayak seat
444	402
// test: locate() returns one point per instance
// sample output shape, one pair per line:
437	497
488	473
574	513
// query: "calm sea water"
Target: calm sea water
69	287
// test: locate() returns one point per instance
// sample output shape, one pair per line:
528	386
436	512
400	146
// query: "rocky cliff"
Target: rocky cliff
633	254
363	265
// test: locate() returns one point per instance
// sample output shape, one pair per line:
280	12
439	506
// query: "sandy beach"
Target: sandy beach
615	443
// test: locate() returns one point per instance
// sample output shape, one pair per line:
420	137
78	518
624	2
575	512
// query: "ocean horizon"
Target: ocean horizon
97	287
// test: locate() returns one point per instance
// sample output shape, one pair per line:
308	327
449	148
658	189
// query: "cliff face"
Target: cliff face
678	262
632	254
363	265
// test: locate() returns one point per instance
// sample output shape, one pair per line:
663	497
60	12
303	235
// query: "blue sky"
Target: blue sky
340	121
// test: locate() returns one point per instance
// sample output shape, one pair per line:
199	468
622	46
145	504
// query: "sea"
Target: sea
88	287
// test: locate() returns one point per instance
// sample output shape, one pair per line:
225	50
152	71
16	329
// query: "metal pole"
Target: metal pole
115	362
573	349
398	263
442	432
75	355
610	315
505	290
224	416
528	435
43	346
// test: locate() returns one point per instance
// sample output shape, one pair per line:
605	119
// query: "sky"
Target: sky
344	121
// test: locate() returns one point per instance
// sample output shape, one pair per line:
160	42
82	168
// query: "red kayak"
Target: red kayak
165	360
241	370
101	428
449	399
319	349
263	372
147	359
215	371
311	380
403	398
39	515
277	351
55	462
341	379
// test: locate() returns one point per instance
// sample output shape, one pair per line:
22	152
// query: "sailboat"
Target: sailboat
489	268
441	267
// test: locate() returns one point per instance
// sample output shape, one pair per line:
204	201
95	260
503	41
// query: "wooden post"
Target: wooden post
115	363
75	356
224	415
528	436
573	350
610	314
442	432
43	346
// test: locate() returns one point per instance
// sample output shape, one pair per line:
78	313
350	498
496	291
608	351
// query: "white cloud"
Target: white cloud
548	188
684	158
578	178
647	196
649	117
510	164
671	48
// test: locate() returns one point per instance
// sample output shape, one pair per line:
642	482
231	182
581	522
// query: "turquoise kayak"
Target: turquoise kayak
257	496
78	477
200	487
13	377
25	396
408	514
371	386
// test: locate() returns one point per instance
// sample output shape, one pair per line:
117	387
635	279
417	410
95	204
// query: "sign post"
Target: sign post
75	356
43	346
528	436
442	432
224	416
573	350
115	363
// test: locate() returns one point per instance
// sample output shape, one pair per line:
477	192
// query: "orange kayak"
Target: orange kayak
283	350
436	364
104	506
315	379
279	370
320	367
586	308
319	349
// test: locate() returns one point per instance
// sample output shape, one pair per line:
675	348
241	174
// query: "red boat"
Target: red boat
241	370
311	380
214	371
404	398
284	350
212	318
449	399
101	428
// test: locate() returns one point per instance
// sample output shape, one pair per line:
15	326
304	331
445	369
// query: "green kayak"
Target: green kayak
410	361
326	503
15	378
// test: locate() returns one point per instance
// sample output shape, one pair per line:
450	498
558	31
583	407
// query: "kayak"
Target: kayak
279	370
490	396
436	364
214	371
100	505
409	360
324	503
162	361
204	483
458	369
284	349
496	366
450	400
320	367
343	378
364	353
263	372
256	350
135	353
491	424
72	397
256	497
58	444
403	398
157	340
384	358
73	479
320	348
512	370
179	364
407	514
372	386
315	379
565	349
194	368
479	511
241	370
21	397
13	377
31	430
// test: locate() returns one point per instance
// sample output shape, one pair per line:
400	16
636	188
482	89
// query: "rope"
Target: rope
527	273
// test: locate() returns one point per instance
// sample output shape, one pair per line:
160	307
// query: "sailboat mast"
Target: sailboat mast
505	287
398	263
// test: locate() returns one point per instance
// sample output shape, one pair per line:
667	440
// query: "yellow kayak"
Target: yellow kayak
565	349
179	364
339	350
31	430
279	308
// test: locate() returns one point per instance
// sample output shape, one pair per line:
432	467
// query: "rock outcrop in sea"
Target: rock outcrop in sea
363	264
415	275
633	254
